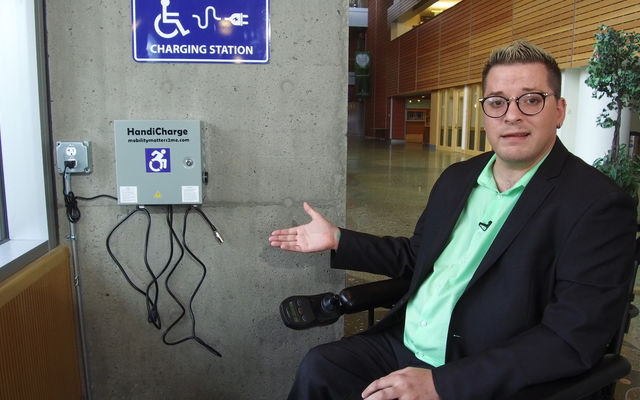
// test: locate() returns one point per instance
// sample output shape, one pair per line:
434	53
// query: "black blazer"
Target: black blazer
549	293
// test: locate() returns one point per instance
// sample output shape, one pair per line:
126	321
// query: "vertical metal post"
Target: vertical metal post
79	310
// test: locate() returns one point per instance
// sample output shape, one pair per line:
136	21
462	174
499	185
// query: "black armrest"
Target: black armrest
611	368
304	311
370	295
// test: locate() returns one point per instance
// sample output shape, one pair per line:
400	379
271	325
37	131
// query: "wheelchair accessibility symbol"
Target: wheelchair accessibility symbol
158	160
167	24
169	18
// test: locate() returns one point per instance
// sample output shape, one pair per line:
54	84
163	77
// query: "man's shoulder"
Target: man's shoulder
574	170
575	186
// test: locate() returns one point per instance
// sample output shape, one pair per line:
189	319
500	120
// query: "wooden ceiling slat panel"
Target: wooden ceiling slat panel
453	47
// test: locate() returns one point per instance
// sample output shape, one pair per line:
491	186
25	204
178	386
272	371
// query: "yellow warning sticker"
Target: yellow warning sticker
158	195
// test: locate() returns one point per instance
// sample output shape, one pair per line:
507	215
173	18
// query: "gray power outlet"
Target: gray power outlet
77	156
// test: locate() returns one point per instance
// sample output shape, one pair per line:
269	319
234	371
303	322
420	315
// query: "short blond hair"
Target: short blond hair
523	52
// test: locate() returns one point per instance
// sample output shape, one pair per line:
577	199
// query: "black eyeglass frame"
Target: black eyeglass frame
517	100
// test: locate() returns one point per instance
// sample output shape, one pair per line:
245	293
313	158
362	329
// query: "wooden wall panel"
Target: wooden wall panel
38	351
415	128
378	35
428	57
548	24
455	26
490	29
590	14
454	68
407	48
370	41
391	65
380	113
397	131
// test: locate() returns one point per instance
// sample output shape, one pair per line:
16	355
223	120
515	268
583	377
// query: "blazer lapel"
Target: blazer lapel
532	198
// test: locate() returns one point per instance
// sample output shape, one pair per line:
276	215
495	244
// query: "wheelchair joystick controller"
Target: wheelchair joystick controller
302	312
330	303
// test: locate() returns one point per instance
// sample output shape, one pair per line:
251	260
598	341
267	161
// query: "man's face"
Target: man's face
520	140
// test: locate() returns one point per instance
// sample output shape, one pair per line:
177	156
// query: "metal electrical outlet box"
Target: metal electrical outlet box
75	156
159	162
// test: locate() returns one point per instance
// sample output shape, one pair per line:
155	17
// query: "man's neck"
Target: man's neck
505	178
508	173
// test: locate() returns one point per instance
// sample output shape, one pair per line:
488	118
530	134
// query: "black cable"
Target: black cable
169	275
152	306
152	310
213	227
153	316
71	200
113	257
70	203
97	197
193	336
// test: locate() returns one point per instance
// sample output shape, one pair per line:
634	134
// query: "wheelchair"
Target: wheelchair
303	312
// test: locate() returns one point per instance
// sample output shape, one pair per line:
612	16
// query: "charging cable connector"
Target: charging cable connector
218	237
238	19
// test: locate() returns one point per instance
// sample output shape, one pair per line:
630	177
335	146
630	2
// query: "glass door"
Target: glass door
459	117
476	137
450	119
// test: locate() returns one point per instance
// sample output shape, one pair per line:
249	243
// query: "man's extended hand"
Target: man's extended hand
405	384
317	235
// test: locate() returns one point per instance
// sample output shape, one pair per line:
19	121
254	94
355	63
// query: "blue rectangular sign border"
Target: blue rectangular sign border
200	61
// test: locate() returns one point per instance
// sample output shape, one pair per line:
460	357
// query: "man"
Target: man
519	264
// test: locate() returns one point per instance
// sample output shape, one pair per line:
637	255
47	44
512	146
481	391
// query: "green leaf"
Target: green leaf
614	72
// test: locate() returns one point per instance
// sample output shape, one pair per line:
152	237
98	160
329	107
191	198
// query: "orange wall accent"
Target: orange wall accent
415	128
398	119
407	61
38	353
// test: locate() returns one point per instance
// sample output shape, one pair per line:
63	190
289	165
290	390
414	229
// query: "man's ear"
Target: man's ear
561	110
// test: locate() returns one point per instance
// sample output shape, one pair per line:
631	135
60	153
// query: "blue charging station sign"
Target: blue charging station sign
225	31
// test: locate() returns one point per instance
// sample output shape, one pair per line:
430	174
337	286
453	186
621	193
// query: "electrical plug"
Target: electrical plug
237	19
71	164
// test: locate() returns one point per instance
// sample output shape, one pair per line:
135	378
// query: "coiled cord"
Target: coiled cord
153	315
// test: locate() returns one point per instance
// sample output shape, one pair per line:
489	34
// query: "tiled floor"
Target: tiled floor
387	189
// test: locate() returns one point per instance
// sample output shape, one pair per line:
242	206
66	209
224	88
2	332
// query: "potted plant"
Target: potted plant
625	171
614	71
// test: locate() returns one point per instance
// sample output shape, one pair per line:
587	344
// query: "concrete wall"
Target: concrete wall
274	136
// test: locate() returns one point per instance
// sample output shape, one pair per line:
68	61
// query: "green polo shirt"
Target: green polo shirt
429	311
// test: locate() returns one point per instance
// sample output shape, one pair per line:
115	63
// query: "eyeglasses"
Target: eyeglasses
528	104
